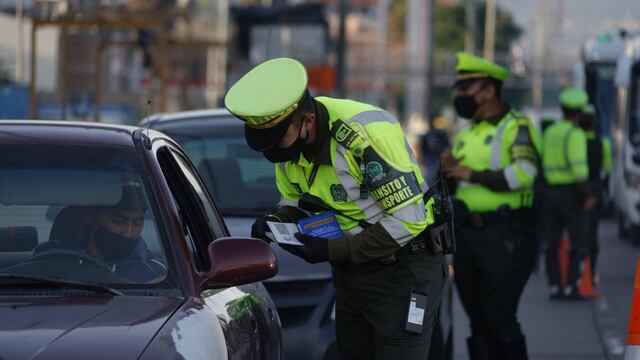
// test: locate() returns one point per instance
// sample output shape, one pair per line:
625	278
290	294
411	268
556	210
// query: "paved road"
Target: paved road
574	330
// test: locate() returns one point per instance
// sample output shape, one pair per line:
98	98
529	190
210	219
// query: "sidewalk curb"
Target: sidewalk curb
609	330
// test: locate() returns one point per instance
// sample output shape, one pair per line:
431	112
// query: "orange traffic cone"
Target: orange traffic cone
563	259
586	282
632	351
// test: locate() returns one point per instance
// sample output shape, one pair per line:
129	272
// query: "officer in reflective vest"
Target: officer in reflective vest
599	161
494	162
567	196
387	277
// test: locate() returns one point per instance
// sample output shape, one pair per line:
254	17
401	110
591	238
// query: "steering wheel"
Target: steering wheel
75	255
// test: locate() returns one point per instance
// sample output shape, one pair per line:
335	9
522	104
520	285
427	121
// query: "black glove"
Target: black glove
315	249
260	227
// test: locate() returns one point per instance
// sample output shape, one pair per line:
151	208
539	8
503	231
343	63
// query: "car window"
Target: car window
78	213
241	180
195	222
213	220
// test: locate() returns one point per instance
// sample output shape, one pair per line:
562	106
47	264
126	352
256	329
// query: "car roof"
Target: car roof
69	132
222	116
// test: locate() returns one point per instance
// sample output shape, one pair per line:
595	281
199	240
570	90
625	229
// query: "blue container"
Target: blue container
14	101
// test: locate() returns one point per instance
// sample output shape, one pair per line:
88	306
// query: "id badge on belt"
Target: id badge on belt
416	312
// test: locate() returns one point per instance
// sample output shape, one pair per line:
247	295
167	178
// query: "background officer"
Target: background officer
494	162
599	161
567	194
355	158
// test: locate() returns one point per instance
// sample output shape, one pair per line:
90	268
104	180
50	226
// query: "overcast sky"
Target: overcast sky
581	19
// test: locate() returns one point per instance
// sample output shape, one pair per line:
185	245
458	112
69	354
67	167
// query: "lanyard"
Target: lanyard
312	175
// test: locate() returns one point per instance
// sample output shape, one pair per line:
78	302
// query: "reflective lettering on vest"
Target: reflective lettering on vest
390	188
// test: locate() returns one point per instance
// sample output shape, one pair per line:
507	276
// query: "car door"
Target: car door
247	335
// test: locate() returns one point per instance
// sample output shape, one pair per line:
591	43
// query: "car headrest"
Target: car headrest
18	238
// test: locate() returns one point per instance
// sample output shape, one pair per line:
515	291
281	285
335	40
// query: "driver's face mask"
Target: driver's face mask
113	247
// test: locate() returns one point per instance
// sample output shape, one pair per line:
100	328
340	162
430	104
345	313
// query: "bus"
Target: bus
625	178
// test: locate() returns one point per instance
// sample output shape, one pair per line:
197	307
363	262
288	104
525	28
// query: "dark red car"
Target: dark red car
112	248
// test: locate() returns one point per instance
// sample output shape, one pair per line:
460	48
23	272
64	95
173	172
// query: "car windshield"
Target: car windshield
241	180
77	213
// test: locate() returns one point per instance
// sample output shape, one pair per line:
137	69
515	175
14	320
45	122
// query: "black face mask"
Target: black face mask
586	122
113	247
279	155
466	106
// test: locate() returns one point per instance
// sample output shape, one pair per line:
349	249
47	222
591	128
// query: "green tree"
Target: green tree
449	26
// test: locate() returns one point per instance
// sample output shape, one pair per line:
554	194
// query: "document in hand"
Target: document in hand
323	225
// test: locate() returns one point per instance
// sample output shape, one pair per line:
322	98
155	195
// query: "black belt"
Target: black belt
429	241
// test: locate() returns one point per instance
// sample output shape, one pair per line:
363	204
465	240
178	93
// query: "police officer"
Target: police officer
599	161
567	194
494	162
355	158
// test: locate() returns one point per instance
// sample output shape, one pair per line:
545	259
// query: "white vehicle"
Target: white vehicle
596	71
625	179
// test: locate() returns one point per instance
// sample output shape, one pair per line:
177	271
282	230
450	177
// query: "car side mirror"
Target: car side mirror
237	261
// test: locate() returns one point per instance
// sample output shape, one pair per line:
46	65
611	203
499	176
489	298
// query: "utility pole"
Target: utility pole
538	57
342	51
490	30
419	44
19	43
470	26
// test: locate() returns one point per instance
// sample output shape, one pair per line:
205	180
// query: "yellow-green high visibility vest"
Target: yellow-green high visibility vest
511	146
565	156
372	153
607	156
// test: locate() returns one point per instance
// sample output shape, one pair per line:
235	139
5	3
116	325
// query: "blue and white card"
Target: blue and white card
324	225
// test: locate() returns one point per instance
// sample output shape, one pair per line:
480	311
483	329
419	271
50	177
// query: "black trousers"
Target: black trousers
492	266
593	217
563	209
372	301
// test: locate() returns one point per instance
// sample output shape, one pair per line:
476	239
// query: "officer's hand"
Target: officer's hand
315	249
260	227
449	161
459	172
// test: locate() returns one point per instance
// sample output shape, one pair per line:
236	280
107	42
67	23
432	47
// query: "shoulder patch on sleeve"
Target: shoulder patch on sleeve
523	147
523	137
343	133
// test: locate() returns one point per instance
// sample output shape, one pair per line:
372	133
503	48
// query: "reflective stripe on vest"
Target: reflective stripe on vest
563	171
479	198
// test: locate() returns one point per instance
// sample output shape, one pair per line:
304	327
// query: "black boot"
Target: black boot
511	349
480	348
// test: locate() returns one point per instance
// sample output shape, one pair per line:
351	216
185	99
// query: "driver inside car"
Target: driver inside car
112	234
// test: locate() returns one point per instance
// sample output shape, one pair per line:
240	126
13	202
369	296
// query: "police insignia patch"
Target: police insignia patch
374	169
338	192
343	131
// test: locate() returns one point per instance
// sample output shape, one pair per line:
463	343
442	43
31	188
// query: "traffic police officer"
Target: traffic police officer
567	194
599	161
494	162
355	158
